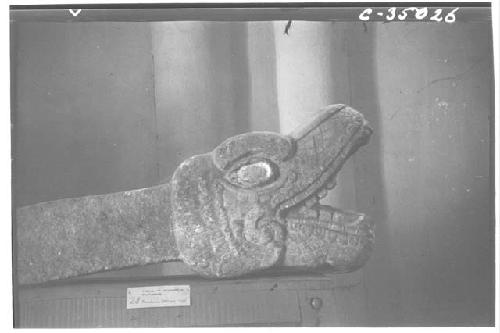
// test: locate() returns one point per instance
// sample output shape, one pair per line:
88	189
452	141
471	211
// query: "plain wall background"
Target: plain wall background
435	95
104	107
84	110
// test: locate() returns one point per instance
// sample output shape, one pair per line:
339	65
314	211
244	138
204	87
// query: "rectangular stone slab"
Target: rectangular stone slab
70	237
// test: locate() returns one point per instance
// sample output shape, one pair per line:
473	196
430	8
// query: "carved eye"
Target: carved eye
253	174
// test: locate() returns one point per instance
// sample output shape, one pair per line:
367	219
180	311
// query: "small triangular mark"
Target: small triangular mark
75	12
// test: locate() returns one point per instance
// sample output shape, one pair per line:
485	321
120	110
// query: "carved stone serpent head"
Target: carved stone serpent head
253	202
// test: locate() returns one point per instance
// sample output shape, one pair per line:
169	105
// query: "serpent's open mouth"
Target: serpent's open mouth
320	234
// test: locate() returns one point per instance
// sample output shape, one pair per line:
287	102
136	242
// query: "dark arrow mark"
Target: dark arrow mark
288	26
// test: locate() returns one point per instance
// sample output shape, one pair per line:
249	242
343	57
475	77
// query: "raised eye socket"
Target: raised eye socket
253	174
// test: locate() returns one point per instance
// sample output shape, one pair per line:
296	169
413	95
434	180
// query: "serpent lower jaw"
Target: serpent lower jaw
322	235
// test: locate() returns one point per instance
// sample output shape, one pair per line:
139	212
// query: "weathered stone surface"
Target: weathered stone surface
250	204
228	222
70	237
324	236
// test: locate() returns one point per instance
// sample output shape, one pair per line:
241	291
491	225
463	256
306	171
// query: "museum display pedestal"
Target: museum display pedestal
277	298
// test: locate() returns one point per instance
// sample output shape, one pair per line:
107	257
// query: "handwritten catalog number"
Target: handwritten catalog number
393	13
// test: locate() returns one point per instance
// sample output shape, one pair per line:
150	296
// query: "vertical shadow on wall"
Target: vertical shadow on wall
263	114
14	185
380	277
229	63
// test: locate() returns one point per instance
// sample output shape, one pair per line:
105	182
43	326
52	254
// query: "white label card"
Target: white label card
158	296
